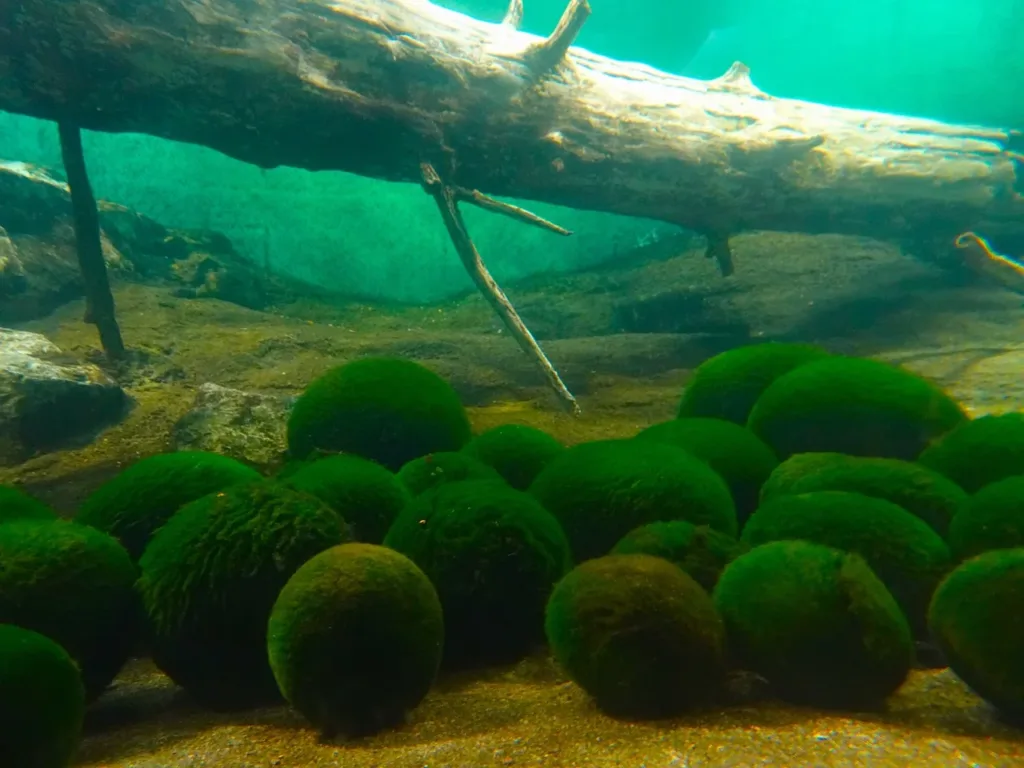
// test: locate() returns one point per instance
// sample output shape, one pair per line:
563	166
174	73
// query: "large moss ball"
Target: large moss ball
135	503
980	451
366	495
434	469
210	577
699	550
919	490
734	452
384	409
727	385
602	490
853	405
993	518
355	639
42	701
75	585
908	556
816	622
977	619
516	451
15	504
493	553
637	634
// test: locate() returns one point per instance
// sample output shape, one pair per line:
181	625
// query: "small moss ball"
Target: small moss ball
817	623
727	385
516	451
355	639
993	518
734	452
700	551
637	634
602	490
922	492
210	577
385	409
909	557
15	504
135	503
853	405
42	701
426	472
977	619
980	451
366	495
493	553
75	585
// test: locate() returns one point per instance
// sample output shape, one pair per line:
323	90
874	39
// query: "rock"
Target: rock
12	273
247	426
49	400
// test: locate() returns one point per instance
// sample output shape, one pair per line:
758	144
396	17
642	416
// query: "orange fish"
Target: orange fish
980	257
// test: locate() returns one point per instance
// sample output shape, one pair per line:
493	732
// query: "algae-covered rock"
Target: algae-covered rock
699	550
434	469
15	504
518	452
993	518
979	452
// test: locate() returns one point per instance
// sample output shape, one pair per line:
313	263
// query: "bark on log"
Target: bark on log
377	87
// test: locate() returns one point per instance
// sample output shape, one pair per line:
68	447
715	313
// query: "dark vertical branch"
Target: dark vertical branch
99	301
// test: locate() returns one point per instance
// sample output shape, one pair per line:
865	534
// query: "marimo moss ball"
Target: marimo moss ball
637	634
75	585
909	557
15	504
922	492
210	577
727	385
434	469
135	503
700	551
493	554
516	451
366	495
976	619
816	622
355	639
853	405
42	701
734	452
602	490
993	518
384	409
980	451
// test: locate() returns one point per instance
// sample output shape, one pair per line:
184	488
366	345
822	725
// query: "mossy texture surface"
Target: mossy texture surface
434	469
15	504
699	550
993	518
518	452
979	452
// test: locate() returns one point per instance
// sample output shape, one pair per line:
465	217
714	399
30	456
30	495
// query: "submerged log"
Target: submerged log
377	87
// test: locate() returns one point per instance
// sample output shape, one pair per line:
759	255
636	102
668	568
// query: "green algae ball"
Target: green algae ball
74	585
355	639
816	622
516	451
727	385
493	554
980	451
210	577
993	518
366	495
976	619
384	409
734	452
700	551
434	469
909	557
637	634
855	406
15	504
135	503
42	701
922	492
602	490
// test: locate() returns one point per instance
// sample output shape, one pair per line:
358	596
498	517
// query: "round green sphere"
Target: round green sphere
816	622
700	551
434	469
385	409
637	634
993	518
355	639
210	577
980	451
15	504
516	451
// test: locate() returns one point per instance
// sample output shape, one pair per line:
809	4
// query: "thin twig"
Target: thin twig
514	14
543	57
488	203
720	250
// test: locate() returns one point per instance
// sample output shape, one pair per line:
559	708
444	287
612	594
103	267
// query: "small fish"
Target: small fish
979	256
